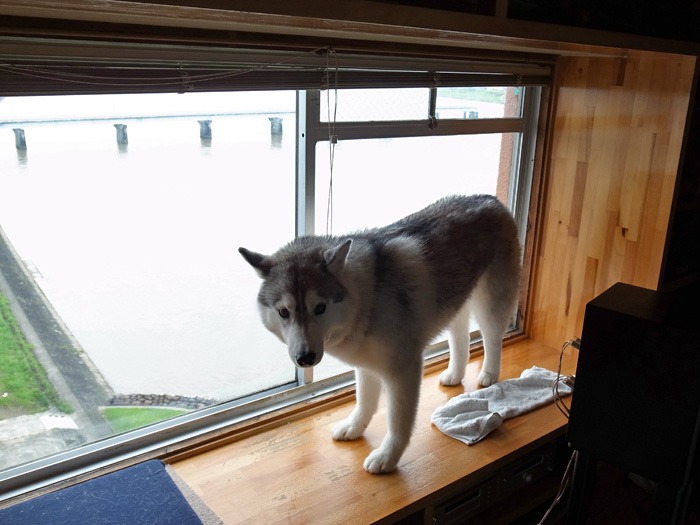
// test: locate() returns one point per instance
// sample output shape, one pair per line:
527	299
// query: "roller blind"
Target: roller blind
48	67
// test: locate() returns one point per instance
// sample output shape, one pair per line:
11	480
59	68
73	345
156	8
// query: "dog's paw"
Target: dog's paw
379	462
347	430
486	378
450	378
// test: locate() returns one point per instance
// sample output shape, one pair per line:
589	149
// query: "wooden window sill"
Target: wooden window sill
296	473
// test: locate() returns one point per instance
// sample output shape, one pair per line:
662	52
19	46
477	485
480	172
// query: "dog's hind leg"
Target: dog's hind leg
367	391
458	339
494	302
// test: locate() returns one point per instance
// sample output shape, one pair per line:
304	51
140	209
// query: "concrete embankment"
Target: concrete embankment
67	366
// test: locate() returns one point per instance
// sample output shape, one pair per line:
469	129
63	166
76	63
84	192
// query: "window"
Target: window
128	316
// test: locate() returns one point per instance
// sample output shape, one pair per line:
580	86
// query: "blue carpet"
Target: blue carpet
141	494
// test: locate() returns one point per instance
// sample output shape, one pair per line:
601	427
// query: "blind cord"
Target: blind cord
332	137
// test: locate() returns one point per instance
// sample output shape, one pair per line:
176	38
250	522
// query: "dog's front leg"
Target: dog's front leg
367	394
403	392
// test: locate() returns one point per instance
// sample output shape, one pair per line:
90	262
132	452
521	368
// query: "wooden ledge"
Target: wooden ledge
296	473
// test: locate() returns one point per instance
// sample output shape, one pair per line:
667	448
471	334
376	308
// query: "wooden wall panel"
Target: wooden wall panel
615	145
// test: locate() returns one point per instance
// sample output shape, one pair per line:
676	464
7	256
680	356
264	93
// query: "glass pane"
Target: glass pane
374	105
479	102
120	264
378	181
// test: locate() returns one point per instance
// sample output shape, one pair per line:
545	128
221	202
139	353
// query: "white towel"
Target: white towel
472	416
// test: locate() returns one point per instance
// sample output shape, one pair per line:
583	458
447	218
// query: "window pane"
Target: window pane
134	247
374	105
479	102
378	181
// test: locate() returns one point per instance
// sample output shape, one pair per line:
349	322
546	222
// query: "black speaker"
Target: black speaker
636	400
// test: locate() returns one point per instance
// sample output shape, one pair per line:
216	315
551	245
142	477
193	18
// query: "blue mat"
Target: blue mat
141	494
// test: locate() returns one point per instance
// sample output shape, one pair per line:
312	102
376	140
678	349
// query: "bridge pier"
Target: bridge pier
122	137
20	140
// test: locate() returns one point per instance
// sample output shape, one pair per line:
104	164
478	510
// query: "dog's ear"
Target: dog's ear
334	258
261	263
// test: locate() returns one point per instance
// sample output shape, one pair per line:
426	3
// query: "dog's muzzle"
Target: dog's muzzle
306	360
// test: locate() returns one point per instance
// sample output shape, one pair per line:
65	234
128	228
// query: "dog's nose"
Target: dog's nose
307	359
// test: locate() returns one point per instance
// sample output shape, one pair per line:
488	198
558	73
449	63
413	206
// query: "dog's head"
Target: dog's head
301	299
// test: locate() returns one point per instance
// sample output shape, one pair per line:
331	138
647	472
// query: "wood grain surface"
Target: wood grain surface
617	130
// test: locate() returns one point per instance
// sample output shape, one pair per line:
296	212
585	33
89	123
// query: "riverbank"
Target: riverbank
55	347
30	437
24	385
78	383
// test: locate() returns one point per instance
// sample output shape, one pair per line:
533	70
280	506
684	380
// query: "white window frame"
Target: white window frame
312	130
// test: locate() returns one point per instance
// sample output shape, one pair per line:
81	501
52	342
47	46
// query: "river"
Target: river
136	246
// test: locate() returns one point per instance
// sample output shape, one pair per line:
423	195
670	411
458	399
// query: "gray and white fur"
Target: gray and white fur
376	298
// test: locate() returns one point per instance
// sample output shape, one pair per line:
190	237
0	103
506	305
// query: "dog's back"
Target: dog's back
426	265
463	237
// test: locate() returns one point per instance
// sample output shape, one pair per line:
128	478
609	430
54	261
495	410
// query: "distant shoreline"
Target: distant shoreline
150	117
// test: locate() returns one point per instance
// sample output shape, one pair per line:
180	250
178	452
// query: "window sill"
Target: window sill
298	470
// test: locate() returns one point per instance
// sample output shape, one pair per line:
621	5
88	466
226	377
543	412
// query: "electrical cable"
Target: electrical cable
559	402
566	479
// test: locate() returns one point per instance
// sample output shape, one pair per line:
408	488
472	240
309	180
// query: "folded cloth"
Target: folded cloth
472	416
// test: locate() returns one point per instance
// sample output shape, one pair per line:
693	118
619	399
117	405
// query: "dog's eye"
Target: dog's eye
320	308
284	313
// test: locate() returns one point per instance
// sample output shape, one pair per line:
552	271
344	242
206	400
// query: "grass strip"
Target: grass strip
24	386
480	94
123	419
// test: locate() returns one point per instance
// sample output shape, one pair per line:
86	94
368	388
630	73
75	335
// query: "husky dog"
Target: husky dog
375	299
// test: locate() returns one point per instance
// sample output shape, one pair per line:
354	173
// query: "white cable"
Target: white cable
566	479
558	401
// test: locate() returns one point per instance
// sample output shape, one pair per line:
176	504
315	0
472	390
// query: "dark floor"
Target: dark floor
618	499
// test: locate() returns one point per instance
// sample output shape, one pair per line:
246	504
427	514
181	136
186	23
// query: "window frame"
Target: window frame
312	130
212	422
